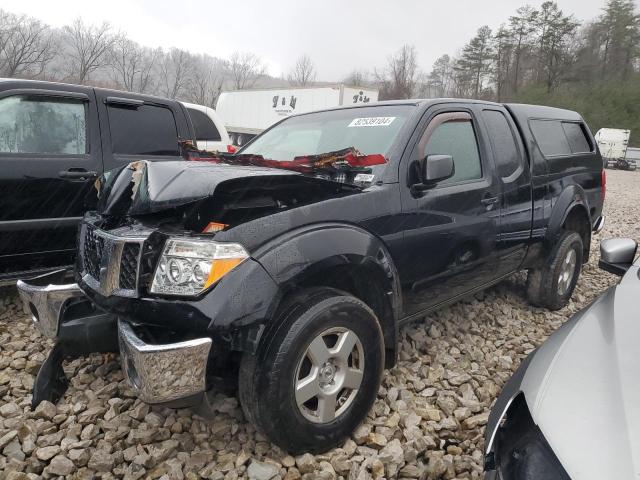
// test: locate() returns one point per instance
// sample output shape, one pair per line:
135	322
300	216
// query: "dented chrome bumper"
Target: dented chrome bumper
160	373
46	302
166	372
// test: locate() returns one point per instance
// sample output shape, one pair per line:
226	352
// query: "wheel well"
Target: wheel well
578	221
366	284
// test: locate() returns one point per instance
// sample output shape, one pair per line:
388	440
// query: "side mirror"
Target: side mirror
431	170
617	255
435	168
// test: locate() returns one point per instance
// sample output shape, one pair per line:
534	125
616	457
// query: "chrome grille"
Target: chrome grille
110	260
129	266
93	245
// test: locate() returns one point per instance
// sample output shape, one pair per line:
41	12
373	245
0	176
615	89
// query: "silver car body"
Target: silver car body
582	387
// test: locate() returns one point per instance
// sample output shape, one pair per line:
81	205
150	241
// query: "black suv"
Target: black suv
55	140
292	263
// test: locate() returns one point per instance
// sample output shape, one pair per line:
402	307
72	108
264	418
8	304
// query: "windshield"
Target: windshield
368	130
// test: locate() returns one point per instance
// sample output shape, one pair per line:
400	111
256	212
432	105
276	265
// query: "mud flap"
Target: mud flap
83	330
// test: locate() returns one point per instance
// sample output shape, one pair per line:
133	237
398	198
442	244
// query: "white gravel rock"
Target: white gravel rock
262	471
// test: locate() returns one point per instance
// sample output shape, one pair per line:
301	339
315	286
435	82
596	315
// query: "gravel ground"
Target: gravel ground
428	420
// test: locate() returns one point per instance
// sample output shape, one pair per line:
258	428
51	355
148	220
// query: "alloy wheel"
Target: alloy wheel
329	374
567	272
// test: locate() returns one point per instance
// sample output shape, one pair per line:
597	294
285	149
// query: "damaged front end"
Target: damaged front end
146	263
159	372
60	310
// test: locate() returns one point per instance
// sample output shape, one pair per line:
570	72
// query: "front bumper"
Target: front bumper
46	302
162	373
159	373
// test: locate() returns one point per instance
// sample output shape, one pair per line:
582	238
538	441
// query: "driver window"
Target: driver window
454	136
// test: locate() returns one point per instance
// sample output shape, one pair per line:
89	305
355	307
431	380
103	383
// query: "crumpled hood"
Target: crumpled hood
583	387
148	187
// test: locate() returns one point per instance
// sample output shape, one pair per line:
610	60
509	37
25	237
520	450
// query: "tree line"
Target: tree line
98	55
538	55
542	48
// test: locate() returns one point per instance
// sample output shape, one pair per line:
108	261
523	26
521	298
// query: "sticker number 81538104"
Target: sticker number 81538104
372	122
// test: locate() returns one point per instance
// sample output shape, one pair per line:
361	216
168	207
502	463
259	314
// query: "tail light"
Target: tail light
231	149
603	183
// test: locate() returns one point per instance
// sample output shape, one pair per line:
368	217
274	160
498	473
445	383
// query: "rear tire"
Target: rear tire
297	359
552	285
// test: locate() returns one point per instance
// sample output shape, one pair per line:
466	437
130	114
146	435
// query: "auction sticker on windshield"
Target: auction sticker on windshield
371	122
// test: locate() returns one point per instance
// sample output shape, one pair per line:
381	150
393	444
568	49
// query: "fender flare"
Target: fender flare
300	253
573	196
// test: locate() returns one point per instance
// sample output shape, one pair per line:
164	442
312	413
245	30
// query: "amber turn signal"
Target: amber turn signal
219	268
213	227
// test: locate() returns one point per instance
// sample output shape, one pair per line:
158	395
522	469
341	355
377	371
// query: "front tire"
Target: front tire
316	375
552	285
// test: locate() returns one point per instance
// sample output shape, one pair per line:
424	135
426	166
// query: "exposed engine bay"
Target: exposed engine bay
193	196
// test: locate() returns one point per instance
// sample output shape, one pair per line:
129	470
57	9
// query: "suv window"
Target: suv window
550	137
204	126
43	125
458	139
578	141
143	130
506	153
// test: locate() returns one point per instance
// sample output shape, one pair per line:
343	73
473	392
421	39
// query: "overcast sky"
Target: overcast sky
339	35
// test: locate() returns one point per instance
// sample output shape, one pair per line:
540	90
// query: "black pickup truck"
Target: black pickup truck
55	140
291	264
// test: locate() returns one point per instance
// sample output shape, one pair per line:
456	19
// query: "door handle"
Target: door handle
489	200
77	174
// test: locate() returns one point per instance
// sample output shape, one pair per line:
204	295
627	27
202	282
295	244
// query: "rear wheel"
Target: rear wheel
552	285
315	378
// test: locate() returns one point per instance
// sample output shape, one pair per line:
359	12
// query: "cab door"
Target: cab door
451	228
49	158
514	176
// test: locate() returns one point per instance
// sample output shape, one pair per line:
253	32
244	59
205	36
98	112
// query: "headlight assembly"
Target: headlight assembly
188	267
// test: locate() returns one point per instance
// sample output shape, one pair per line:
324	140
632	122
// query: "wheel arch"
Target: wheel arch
343	257
571	212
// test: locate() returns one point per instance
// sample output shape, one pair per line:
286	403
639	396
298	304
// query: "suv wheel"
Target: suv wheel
314	378
552	285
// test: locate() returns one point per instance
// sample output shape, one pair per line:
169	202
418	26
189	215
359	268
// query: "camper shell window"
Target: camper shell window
560	138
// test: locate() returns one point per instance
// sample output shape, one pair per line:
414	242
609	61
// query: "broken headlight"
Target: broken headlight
188	267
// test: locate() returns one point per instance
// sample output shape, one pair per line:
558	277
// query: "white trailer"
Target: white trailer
613	143
246	113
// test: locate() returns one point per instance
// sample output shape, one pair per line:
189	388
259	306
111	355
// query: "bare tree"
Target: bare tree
175	69
521	26
245	68
400	77
554	32
6	26
26	46
132	65
357	78
440	78
303	73
88	47
206	80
